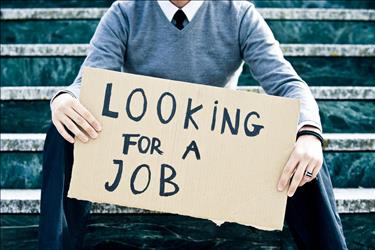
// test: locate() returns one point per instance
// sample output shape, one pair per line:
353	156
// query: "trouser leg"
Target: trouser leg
312	216
62	220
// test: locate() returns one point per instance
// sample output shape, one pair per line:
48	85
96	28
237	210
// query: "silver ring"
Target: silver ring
308	173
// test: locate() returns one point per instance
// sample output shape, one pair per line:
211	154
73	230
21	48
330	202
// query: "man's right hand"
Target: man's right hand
69	112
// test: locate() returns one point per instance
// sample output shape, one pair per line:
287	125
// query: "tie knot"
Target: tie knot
179	18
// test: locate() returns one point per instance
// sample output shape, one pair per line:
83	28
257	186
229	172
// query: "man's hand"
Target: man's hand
68	111
306	156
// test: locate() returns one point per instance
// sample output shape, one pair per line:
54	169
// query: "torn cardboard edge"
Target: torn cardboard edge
246	136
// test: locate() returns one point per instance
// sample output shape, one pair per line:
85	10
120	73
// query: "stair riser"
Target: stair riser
319	71
289	50
337	117
363	4
55	3
55	71
21	232
22	170
322	93
81	31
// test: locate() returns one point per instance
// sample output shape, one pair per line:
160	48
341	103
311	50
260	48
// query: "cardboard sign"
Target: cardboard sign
185	148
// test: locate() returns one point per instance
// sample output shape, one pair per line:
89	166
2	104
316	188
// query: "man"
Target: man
194	41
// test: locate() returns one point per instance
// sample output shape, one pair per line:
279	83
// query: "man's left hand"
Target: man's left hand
307	155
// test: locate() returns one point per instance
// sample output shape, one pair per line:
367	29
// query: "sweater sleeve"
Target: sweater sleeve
107	46
262	52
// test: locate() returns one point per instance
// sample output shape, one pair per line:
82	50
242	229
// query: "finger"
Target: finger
60	128
80	109
306	178
288	171
69	124
79	120
317	169
303	182
297	177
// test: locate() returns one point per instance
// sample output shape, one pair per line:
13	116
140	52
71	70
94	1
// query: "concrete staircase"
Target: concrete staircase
330	43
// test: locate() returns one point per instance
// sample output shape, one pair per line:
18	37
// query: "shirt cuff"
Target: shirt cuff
59	93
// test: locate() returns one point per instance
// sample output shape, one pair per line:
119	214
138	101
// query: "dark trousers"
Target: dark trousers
311	213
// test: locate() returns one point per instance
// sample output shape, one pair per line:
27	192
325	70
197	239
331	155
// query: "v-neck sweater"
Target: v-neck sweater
136	37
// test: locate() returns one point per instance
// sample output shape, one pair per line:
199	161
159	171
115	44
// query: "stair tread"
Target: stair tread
320	93
340	194
348	200
267	13
296	50
334	141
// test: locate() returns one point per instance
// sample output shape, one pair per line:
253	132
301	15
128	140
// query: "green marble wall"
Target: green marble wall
55	3
326	32
39	71
365	4
336	117
347	116
347	169
351	169
81	31
20	170
259	3
166	231
50	31
25	117
316	71
331	71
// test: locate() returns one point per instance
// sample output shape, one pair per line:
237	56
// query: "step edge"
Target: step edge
291	50
44	93
361	200
333	141
271	13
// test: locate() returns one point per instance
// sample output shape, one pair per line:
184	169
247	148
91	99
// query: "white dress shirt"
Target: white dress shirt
169	9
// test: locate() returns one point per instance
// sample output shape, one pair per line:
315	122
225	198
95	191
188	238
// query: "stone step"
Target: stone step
333	142
166	231
267	13
362	4
316	71
295	50
333	71
343	116
285	31
331	93
317	14
327	4
24	201
320	93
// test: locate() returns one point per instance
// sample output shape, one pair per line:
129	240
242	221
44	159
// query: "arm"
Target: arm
106	50
261	51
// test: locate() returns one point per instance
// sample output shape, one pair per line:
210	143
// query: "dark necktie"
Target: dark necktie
179	18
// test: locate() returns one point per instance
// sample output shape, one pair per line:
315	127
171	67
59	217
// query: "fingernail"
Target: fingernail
94	135
280	188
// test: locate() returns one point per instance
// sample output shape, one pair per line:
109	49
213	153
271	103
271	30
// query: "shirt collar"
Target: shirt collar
169	9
